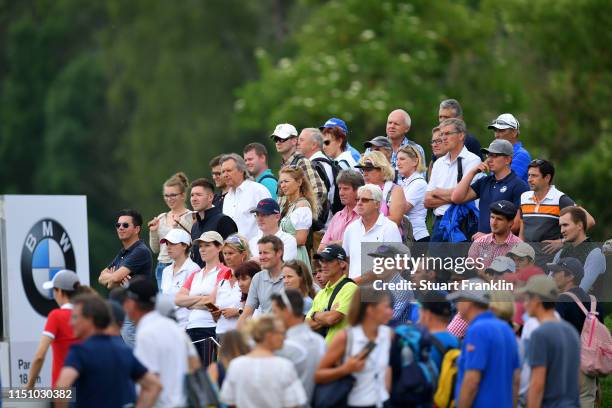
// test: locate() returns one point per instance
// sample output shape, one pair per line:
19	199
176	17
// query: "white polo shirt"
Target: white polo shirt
383	231
240	201
289	245
444	173
172	283
163	347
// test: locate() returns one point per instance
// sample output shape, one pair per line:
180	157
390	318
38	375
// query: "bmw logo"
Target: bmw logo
46	250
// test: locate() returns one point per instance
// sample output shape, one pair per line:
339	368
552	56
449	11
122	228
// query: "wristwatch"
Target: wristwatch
240	311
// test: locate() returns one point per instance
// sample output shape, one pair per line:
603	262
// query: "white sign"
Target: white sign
41	235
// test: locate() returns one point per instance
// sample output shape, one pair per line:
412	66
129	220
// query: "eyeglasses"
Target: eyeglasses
444	135
437	141
494	155
364	200
169	196
122	224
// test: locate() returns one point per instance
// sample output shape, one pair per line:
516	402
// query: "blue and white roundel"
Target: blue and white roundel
47	260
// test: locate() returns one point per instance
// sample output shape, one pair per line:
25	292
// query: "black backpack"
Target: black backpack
317	163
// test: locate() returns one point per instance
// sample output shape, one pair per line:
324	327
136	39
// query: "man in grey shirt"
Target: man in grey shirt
303	347
267	281
554	349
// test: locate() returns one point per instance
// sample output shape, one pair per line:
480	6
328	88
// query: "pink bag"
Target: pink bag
595	341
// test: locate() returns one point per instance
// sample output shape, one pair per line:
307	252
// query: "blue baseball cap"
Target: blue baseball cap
333	122
266	206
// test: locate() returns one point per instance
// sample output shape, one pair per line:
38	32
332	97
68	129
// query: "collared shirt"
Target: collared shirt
304	348
269	181
317	185
59	330
289	244
338	224
137	258
342	304
541	218
486	248
262	287
383	231
520	161
171	284
490	347
163	347
489	190
444	173
240	201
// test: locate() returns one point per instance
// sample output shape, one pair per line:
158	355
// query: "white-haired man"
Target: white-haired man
398	125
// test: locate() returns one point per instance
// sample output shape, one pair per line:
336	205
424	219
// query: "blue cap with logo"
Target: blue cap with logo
266	206
331	252
333	122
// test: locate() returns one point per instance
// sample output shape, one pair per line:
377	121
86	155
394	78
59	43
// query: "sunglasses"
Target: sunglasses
327	142
234	240
537	162
494	155
169	196
437	141
364	200
281	140
122	224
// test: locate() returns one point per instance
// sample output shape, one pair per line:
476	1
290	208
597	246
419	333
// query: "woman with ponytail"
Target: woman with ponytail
57	333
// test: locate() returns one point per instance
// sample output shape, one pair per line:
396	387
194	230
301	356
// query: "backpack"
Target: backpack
595	341
268	176
469	224
323	330
317	163
444	396
418	378
405	225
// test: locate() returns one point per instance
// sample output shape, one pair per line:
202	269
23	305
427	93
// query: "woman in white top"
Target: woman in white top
178	217
299	208
378	171
335	143
370	312
196	294
414	185
260	379
178	244
297	276
227	296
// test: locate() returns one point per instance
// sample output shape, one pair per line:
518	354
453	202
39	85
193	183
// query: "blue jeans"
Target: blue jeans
128	332
158	273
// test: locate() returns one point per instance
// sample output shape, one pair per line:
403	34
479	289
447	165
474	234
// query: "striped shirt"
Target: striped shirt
541	218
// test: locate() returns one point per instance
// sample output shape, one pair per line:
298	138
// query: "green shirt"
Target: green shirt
342	303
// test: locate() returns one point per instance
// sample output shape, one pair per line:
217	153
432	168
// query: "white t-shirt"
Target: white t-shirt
414	188
383	231
240	201
262	382
444	173
172	282
289	244
345	160
163	347
200	285
228	296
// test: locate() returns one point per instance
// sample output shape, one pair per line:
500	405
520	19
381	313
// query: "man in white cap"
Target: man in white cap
507	127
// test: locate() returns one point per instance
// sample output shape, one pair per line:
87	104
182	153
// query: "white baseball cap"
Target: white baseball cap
284	131
505	121
176	236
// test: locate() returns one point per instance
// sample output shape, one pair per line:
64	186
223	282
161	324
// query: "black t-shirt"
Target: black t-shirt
137	258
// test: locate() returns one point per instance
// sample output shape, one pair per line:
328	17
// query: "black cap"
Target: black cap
505	208
142	290
435	301
390	250
570	265
331	252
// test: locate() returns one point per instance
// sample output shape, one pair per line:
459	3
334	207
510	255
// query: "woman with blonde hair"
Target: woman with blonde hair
297	276
260	378
233	345
174	192
299	208
414	185
378	171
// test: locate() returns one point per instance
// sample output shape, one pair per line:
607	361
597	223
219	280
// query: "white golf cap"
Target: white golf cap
284	131
176	236
505	121
63	279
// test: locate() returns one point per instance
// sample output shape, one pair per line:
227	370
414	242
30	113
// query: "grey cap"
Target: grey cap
500	146
379	141
541	285
64	279
390	250
471	293
502	264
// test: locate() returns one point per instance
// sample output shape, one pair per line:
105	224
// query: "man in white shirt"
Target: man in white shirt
243	194
161	345
267	215
448	170
371	227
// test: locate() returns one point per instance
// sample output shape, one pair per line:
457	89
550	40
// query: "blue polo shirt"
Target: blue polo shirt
107	372
137	258
520	160
490	190
269	181
490	347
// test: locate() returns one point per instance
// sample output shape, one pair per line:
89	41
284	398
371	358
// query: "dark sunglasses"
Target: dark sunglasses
281	140
122	224
537	162
364	200
327	142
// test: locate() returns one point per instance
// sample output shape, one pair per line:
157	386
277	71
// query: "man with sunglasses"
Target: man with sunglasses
502	184
506	127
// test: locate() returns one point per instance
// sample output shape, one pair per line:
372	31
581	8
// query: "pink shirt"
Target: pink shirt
486	248
337	225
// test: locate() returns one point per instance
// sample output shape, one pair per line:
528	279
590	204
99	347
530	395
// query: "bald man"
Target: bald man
398	125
